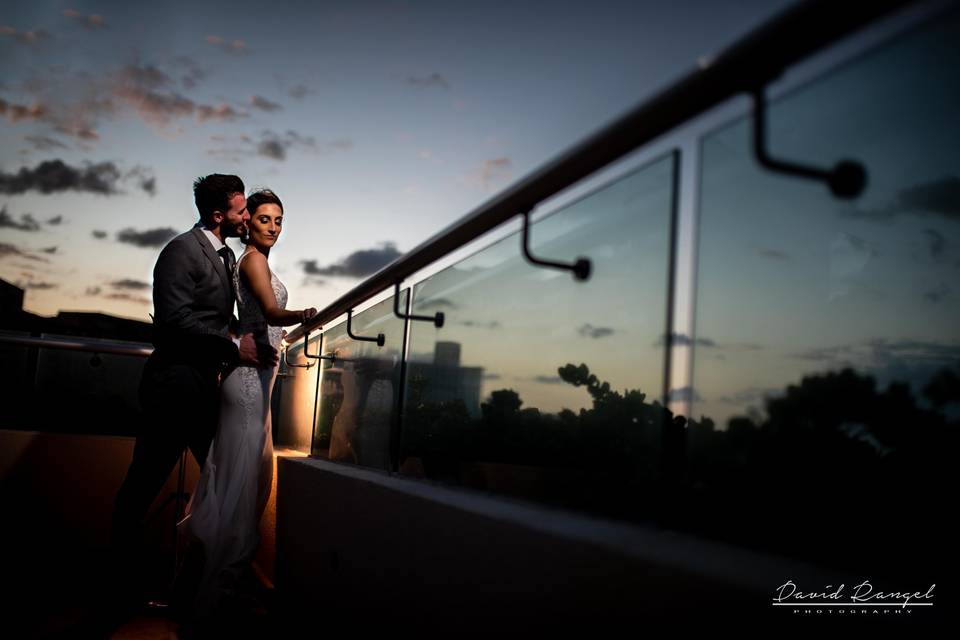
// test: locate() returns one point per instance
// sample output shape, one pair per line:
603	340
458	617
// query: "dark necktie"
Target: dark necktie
227	256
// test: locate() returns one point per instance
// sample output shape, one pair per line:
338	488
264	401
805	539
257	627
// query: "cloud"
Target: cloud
128	298
547	379
299	92
432	80
436	303
93	22
53	176
493	324
491	171
50	250
146	181
149	238
259	102
222	113
55	221
192	74
937	197
17	112
99	235
24	37
492	376
590	331
34	284
233	46
937	242
26	223
44	143
93	291
356	265
773	254
148	90
683	340
684	394
130	284
7	249
937	293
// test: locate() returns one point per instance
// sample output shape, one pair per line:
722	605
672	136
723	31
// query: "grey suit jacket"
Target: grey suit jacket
192	299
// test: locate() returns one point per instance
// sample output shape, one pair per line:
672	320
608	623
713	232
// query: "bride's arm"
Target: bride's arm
256	273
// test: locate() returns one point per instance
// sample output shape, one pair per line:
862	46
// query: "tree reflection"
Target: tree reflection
835	472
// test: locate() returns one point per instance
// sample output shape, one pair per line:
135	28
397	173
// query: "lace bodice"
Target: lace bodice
249	312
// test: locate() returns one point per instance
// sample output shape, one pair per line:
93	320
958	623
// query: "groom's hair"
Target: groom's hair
213	193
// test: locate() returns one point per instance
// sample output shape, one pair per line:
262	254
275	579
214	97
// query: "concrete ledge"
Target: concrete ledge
353	540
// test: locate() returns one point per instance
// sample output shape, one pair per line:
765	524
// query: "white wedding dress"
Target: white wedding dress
224	512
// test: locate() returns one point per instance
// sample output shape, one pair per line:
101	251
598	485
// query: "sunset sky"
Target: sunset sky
377	123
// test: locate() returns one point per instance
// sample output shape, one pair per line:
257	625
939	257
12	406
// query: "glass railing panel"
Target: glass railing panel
359	394
539	386
827	352
86	392
16	380
294	397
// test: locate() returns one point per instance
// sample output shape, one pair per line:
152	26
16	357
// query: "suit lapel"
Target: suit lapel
214	259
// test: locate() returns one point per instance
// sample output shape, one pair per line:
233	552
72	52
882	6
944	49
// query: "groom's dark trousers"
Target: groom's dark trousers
179	394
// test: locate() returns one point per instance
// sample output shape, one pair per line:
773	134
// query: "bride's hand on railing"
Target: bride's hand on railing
306	314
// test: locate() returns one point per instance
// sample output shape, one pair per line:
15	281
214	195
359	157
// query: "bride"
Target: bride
224	513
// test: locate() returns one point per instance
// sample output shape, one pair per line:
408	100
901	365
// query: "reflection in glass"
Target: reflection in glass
84	392
539	386
294	394
359	391
828	344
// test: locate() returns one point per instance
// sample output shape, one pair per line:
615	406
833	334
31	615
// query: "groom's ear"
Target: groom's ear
217	217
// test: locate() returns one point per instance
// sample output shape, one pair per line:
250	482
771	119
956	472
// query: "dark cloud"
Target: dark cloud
299	92
149	238
938	293
356	265
24	37
192	74
221	113
52	176
436	303
99	235
492	376
773	254
432	80
937	197
493	324
44	143
491	171
259	102
274	145
17	112
937	242
8	250
93	22
26	223
590	331
237	47
50	250
145	179
130	284
55	221
93	291
683	340
684	394
34	284
547	379
127	297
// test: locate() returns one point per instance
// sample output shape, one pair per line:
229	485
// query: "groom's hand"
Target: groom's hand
256	354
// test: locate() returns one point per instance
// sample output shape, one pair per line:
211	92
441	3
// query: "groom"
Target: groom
193	302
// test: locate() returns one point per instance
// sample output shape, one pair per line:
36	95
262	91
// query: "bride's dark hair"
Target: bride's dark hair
258	198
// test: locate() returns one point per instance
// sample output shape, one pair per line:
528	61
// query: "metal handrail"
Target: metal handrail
79	344
752	62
